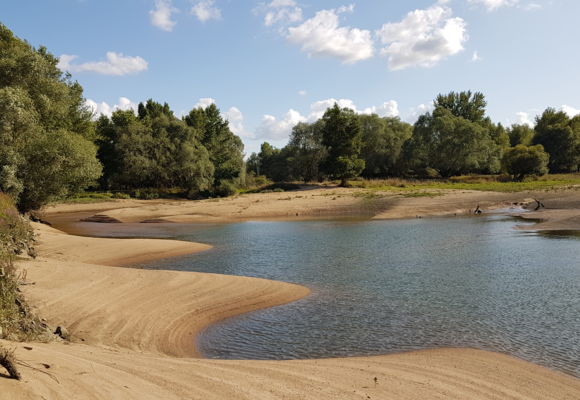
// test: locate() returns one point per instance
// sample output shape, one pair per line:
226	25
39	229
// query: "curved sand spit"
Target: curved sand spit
129	325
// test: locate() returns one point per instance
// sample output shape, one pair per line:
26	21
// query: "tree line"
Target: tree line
50	146
456	138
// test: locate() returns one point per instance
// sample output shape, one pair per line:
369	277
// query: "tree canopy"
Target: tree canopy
45	129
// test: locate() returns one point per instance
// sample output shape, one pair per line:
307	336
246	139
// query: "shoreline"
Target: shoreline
135	329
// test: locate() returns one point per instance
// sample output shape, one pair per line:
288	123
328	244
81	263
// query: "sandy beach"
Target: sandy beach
133	330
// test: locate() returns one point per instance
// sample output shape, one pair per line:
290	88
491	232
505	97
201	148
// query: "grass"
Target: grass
492	183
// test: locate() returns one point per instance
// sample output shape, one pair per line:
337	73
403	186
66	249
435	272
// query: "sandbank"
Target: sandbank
133	333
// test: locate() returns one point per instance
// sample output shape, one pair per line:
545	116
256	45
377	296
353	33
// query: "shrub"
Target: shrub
121	195
16	237
521	161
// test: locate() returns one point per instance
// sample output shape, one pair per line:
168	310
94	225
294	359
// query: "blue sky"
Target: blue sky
270	64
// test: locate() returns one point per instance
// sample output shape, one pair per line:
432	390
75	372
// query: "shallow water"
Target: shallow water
390	286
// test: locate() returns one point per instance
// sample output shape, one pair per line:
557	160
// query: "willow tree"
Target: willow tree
342	136
46	133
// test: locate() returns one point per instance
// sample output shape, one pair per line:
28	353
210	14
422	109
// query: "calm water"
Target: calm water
381	287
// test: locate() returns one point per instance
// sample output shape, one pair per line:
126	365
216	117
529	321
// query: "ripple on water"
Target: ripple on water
390	286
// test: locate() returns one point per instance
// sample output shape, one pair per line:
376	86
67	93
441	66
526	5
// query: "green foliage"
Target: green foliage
383	140
521	134
521	161
456	138
225	149
16	237
341	134
560	137
152	150
45	128
306	152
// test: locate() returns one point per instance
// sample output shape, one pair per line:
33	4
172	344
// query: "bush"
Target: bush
16	237
121	195
225	189
521	161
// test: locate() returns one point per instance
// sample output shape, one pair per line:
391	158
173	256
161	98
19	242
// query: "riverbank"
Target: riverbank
133	336
562	207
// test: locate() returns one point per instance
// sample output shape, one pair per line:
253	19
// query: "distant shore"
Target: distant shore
132	330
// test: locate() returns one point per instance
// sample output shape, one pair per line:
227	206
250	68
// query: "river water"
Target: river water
388	286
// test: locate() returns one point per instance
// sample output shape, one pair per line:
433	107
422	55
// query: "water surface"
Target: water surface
390	286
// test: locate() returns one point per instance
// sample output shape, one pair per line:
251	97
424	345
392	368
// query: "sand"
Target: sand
133	330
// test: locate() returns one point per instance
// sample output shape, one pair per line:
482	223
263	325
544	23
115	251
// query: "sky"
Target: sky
271	64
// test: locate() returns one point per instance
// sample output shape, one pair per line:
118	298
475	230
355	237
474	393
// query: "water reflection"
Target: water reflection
383	287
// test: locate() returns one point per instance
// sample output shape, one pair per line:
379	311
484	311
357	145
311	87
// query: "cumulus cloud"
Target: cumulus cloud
423	37
277	129
302	92
281	128
115	64
322	35
204	102
205	10
161	15
492	5
103	108
415	112
280	12
524	118
571	111
236	121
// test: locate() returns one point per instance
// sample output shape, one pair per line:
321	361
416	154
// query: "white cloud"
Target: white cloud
161	15
280	12
322	35
387	109
492	5
476	57
524	118
236	121
277	129
116	64
532	7
423	38
302	92
281	128
204	102
416	112
205	10
571	111
105	109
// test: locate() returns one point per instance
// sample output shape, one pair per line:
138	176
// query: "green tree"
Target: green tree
383	140
521	134
521	161
225	149
42	117
560	137
341	134
306	151
456	138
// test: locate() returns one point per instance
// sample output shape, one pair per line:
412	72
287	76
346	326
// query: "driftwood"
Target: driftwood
539	205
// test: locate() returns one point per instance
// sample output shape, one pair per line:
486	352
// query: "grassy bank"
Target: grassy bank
491	183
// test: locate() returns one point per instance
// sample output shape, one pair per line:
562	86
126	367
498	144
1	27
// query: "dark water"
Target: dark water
390	286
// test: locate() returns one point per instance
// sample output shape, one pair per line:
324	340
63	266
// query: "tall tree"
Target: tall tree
43	123
560	137
225	149
306	151
383	140
341	134
521	134
457	137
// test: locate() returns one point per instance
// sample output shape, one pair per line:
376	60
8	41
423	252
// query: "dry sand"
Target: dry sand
133	329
